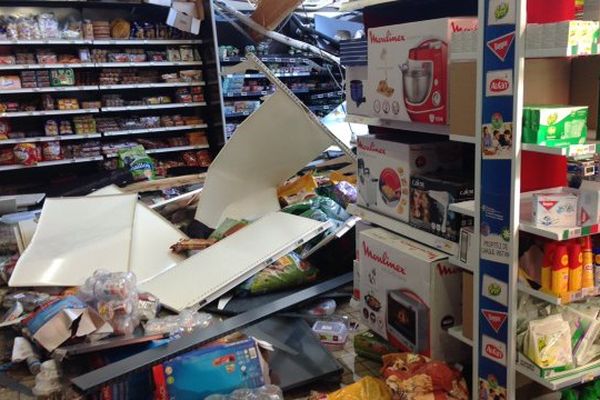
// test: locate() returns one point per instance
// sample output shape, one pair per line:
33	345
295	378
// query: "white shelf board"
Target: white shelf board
573	378
51	163
550	53
176	148
456	261
45	41
341	231
358	4
45	66
404	229
573	150
51	89
559	233
463	138
457	333
408	126
463	57
150	130
464	208
48	112
552	299
150	85
146	41
524	288
154	106
50	138
148	64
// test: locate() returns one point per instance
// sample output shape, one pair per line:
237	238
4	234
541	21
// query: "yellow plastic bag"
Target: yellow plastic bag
368	388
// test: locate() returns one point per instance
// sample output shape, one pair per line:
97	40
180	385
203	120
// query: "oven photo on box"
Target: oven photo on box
408	320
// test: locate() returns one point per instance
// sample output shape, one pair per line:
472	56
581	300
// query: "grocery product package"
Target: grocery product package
554	125
585	330
368	388
137	161
548	343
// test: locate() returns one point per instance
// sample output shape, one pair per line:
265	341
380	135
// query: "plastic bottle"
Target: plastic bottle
587	279
597	267
560	270
546	274
575	266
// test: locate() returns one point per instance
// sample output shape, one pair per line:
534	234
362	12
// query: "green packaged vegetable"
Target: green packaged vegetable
288	271
137	161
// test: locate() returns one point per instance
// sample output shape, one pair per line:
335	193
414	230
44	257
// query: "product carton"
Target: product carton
467	304
430	199
588	212
409	294
554	125
356	90
408	69
385	167
555	209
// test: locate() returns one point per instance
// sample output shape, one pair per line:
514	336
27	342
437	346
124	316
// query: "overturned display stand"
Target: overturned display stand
273	144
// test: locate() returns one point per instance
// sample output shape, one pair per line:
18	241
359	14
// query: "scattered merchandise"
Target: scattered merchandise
137	161
332	334
372	346
185	322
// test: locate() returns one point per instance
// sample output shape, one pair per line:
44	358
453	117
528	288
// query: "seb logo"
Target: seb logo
499	83
493	349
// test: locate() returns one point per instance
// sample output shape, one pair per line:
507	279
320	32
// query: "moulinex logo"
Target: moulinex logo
371	147
462	28
382	259
388	37
444	269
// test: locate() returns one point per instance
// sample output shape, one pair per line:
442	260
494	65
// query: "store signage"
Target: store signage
501	45
494	289
493	349
499	83
501	12
495	318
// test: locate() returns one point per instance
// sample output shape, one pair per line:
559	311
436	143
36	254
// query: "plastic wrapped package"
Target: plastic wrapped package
26	153
368	388
186	321
28	29
585	330
47	381
48	26
548	342
267	392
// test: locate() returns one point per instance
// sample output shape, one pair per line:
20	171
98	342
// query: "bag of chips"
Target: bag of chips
137	161
26	153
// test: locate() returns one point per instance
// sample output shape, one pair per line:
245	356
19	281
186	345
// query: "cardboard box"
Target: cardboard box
430	199
356	90
408	69
555	209
553	125
385	168
467	249
183	22
462	92
409	294
467	304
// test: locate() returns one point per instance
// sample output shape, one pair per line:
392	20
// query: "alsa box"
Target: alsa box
408	69
409	294
385	168
216	369
430	199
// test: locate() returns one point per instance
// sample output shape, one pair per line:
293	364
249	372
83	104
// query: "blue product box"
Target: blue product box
214	370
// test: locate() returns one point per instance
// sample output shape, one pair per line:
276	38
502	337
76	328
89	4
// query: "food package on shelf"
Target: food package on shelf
555	209
555	125
548	342
137	161
10	82
51	151
26	154
585	330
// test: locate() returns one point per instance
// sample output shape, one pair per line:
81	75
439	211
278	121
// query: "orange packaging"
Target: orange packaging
587	280
560	270
197	138
546	275
575	266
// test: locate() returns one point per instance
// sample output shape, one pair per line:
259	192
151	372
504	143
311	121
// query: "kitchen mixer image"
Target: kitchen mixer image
424	79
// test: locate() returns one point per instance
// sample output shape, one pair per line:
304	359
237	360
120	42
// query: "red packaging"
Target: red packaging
7	156
51	151
546	11
204	158
4	126
26	153
190	159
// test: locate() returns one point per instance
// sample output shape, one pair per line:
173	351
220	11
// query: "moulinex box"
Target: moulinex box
409	294
385	168
408	69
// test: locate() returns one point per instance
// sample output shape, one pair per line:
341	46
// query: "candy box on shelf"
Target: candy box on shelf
430	199
385	167
555	125
409	294
408	69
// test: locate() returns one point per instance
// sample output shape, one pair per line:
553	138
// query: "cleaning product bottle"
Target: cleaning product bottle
575	266
587	279
546	275
560	270
597	266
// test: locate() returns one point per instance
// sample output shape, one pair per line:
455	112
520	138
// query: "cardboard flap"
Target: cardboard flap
74	237
212	272
271	145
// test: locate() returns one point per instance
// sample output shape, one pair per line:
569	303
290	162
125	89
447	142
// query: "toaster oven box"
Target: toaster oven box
385	168
409	294
408	69
430	199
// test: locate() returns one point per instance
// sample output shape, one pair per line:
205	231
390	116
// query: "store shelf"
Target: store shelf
457	333
48	112
176	148
553	53
559	233
463	138
552	299
51	163
463	57
464	208
358	4
341	231
144	41
148	64
574	150
404	229
323	107
155	130
403	125
51	89
50	138
563	380
327	95
266	59
238	114
258	94
45	66
260	75
456	261
153	106
150	85
44	41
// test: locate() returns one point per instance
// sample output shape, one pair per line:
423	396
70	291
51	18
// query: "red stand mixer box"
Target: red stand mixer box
409	294
386	166
408	69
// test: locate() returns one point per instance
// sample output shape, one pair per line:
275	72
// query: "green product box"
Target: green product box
62	77
371	346
555	126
